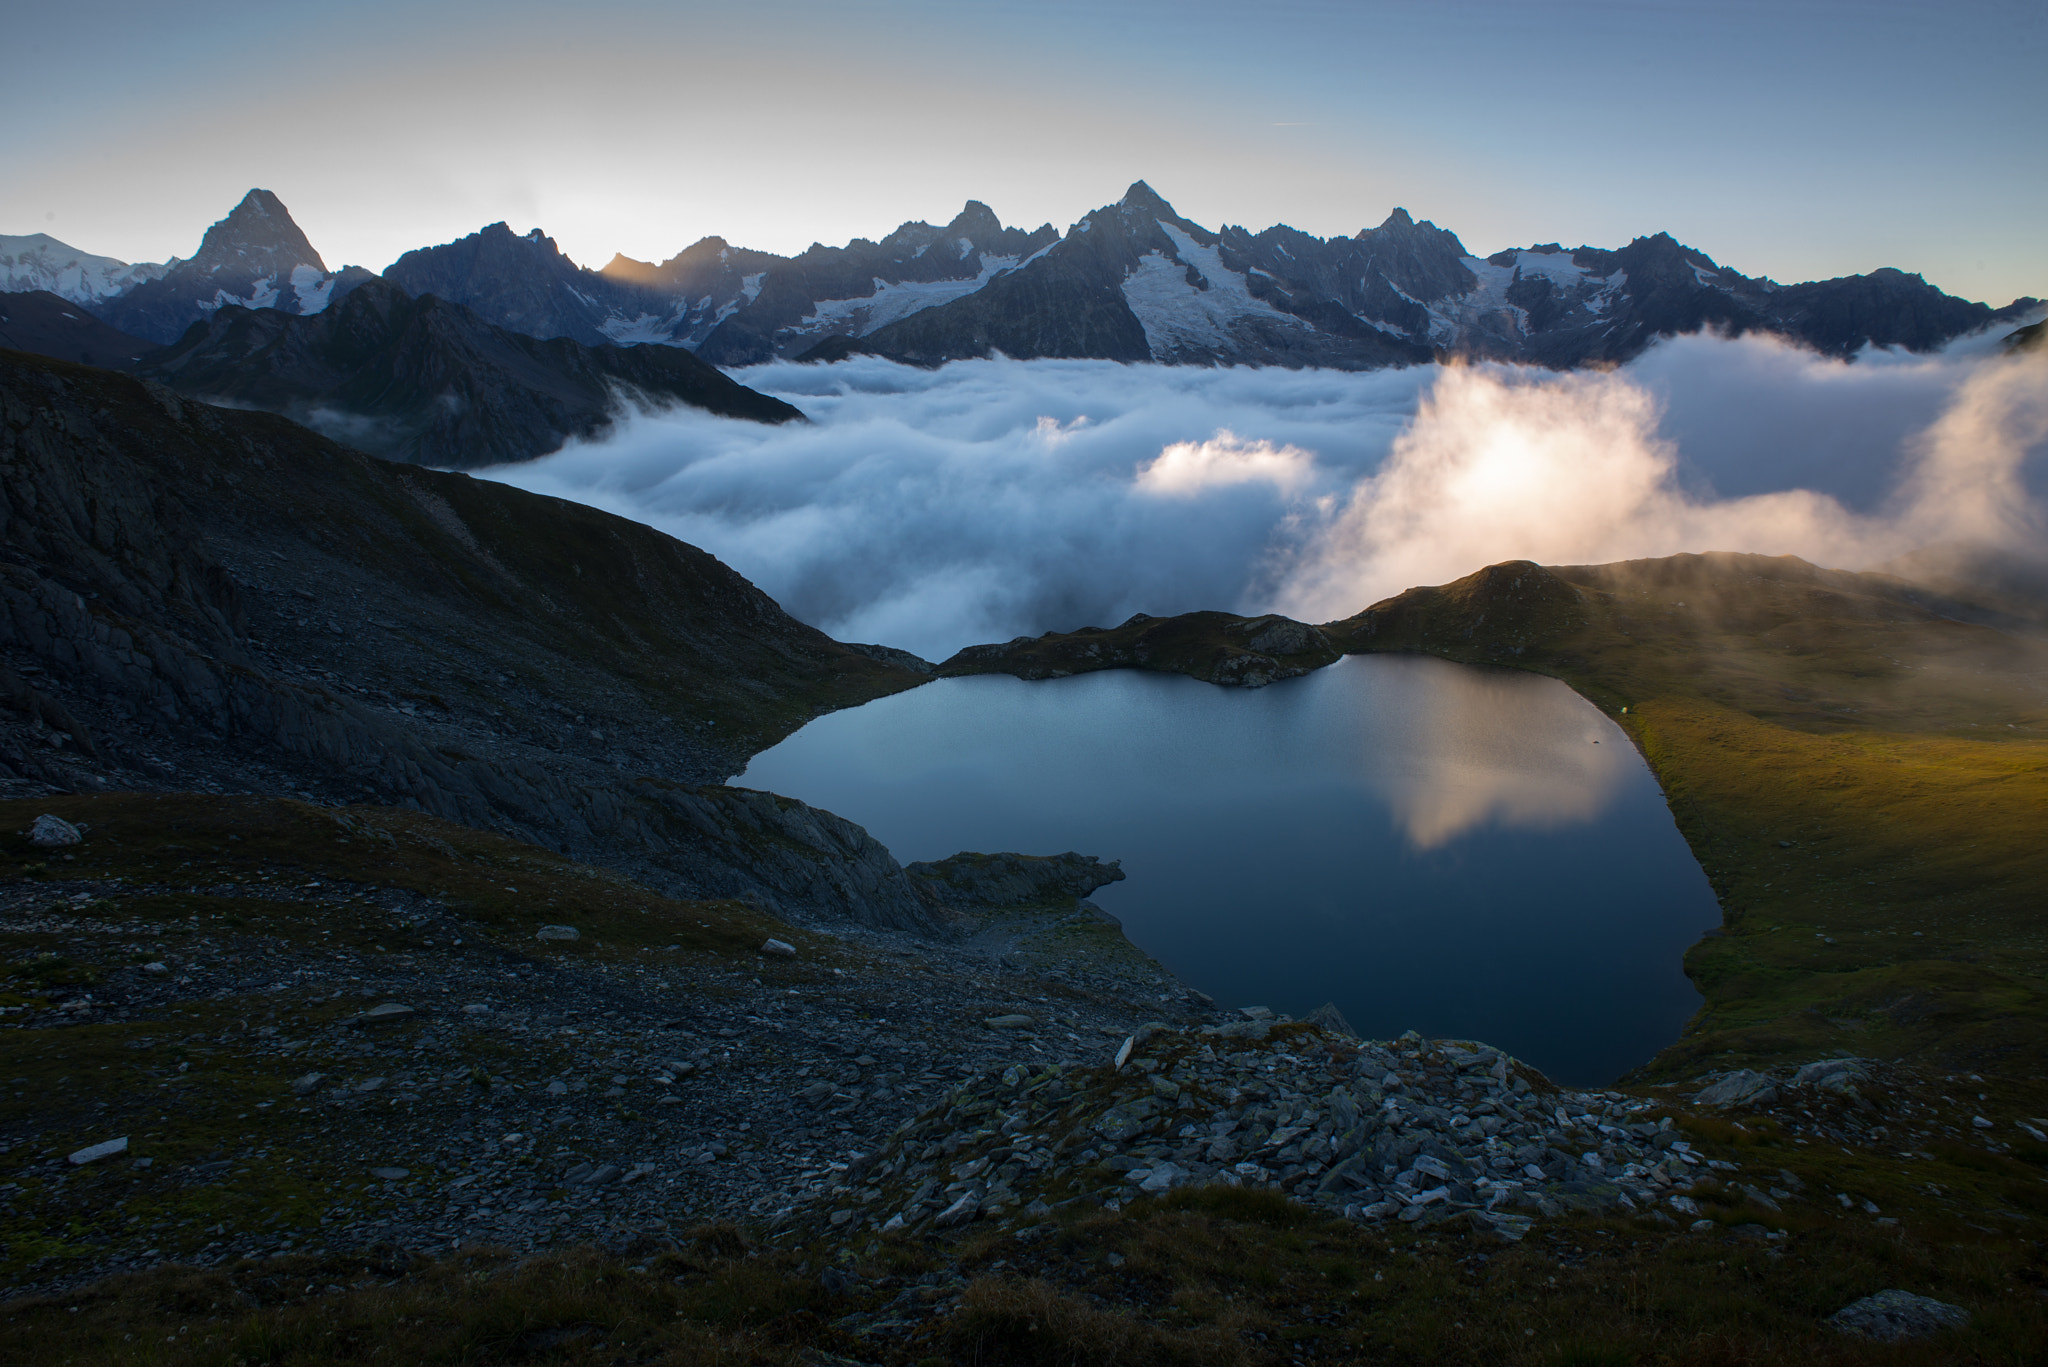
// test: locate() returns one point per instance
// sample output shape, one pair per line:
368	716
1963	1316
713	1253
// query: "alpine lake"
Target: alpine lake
1471	854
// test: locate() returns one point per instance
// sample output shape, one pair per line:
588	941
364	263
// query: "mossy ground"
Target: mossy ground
1865	782
197	1076
1213	1276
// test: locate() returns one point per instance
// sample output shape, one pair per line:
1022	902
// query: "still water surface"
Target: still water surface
1476	854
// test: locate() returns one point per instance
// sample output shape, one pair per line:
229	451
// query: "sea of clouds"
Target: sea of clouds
930	510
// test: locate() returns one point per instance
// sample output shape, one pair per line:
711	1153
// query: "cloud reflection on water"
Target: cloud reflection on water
1486	747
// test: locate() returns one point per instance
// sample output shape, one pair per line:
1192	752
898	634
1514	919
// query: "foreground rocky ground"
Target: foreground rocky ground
318	1058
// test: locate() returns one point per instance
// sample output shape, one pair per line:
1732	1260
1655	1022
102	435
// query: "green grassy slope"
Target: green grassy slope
1865	781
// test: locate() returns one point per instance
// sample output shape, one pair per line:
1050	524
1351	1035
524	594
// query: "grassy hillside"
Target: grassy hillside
1864	780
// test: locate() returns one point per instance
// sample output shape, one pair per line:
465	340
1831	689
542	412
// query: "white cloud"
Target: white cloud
1187	468
989	499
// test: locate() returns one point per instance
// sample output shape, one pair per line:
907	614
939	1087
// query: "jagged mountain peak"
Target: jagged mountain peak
975	221
258	231
1141	192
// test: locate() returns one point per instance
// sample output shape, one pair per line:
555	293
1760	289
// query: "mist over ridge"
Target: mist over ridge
932	509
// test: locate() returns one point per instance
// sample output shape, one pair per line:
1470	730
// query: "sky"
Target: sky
1798	139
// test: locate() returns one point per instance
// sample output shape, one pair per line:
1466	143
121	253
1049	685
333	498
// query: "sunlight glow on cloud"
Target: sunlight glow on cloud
1192	467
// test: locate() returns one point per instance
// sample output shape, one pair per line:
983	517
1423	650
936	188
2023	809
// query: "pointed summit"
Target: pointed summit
254	258
257	234
1145	199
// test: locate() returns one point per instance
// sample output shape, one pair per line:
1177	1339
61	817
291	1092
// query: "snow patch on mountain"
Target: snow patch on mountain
1555	267
647	328
313	288
893	301
37	261
1179	315
263	294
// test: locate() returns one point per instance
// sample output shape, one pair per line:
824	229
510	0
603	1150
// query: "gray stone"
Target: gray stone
307	1084
1892	1316
386	1014
1739	1088
1818	1072
780	949
92	1153
51	832
1010	1022
605	1175
390	1174
960	1212
558	933
558	1088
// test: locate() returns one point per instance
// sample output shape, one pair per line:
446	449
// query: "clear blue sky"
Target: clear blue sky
1791	139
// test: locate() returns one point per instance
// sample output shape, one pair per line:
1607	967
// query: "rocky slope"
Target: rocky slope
449	1013
198	598
255	258
427	381
50	325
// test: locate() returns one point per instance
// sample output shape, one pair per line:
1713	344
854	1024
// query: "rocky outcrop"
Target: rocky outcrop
969	882
201	598
1217	647
426	381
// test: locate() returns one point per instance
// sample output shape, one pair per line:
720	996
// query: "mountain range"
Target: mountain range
1132	281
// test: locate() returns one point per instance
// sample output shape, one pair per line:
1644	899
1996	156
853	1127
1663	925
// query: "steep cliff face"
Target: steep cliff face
199	598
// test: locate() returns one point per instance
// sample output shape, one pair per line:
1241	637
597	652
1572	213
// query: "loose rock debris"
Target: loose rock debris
1411	1130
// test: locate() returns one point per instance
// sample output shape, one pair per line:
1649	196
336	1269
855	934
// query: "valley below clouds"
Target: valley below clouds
933	509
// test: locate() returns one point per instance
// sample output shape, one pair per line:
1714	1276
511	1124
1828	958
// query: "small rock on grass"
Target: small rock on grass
390	1174
385	1014
558	933
1892	1316
1010	1022
781	949
51	832
94	1152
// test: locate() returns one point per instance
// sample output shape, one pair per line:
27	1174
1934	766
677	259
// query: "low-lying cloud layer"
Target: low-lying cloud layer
935	509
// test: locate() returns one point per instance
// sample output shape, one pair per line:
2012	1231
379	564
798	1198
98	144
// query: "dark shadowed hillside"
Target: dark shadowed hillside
426	381
202	598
